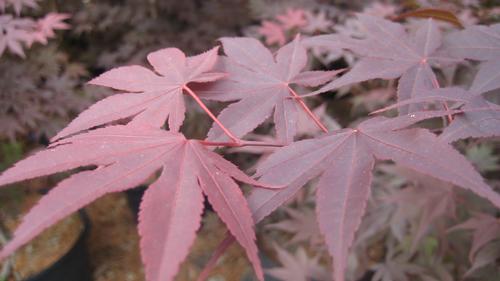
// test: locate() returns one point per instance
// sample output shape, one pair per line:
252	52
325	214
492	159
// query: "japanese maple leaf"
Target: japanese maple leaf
298	267
273	33
480	118
485	256
14	33
485	227
125	157
46	26
302	224
262	83
433	198
395	267
478	42
317	22
344	159
481	43
292	18
151	97
389	52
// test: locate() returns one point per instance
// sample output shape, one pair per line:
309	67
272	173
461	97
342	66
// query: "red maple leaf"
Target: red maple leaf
262	83
151	97
345	159
125	157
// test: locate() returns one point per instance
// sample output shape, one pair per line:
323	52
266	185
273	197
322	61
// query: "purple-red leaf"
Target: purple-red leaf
475	42
261	83
390	52
126	156
344	160
486	229
169	217
343	192
158	95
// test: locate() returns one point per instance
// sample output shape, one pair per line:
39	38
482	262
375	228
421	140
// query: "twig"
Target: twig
242	143
205	108
307	110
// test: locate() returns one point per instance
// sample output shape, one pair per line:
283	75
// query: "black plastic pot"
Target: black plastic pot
134	198
74	265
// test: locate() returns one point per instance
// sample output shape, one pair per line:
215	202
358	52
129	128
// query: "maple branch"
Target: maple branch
307	110
241	143
205	108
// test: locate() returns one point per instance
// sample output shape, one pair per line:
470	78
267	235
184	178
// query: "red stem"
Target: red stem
307	110
242	143
205	108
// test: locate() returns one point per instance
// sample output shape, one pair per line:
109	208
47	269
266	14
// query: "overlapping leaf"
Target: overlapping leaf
125	157
345	159
151	97
480	118
261	83
433	198
486	228
297	267
389	52
14	33
478	42
301	224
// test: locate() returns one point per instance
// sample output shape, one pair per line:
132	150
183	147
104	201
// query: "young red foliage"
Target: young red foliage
480	118
151	97
125	157
389	52
262	83
345	159
486	229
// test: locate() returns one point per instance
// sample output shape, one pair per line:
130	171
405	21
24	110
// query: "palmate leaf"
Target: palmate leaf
151	97
301	224
261	83
389	52
486	229
125	157
432	198
479	42
480	118
345	159
297	267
